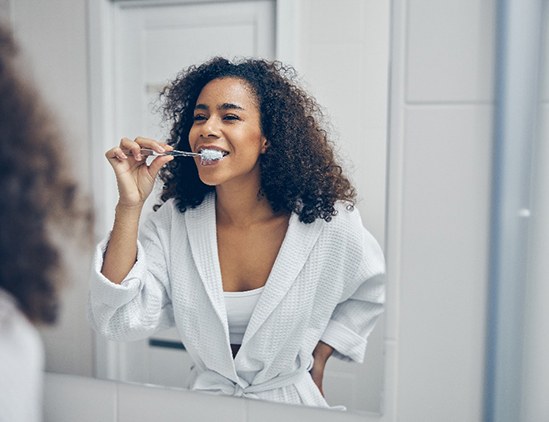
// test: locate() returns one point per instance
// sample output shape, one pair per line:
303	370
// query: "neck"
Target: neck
242	207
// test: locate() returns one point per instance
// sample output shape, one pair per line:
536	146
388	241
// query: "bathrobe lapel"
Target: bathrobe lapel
202	237
296	247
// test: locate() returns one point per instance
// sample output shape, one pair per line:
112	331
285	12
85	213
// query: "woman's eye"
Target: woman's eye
199	117
231	117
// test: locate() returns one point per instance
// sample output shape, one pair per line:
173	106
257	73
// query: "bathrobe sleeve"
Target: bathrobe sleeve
363	296
141	305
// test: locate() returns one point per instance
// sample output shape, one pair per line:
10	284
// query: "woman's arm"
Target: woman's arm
135	181
121	251
142	304
321	354
363	296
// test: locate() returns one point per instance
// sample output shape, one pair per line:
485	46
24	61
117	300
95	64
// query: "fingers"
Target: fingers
128	147
149	143
125	147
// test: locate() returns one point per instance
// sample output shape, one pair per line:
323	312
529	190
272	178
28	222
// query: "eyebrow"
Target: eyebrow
224	106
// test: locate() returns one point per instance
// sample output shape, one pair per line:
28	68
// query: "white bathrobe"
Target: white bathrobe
21	364
325	285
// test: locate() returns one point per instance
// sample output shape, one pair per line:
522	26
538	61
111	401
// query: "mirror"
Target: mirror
340	49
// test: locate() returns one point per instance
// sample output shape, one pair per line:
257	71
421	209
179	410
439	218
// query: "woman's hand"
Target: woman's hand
134	178
321	354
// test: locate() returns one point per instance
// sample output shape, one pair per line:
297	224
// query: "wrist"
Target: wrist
322	351
122	207
124	212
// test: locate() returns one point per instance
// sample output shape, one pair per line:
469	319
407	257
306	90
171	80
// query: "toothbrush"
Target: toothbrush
205	154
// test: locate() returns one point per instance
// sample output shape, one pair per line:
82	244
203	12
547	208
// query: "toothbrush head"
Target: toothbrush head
211	154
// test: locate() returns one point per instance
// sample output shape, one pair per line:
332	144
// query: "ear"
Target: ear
264	145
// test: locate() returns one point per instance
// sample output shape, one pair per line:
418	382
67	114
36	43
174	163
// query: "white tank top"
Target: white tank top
240	306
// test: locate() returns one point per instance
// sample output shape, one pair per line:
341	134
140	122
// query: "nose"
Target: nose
210	128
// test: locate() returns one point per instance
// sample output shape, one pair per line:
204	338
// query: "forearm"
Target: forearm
321	354
121	252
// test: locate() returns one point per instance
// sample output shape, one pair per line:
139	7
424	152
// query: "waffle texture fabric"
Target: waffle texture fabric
326	284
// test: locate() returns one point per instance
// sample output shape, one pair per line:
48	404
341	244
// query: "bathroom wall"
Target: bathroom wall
439	180
442	107
536	342
341	50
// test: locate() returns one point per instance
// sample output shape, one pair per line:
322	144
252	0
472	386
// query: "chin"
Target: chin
209	181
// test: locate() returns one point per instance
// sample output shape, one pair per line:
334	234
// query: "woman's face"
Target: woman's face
227	118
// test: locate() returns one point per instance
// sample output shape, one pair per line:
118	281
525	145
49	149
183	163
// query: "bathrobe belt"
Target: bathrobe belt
211	381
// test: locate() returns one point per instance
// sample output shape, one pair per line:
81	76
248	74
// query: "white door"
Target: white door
152	43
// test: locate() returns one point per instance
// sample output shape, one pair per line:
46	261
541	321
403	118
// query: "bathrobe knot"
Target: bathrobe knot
240	392
214	382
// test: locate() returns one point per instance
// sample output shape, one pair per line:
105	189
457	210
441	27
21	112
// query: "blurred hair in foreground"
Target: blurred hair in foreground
39	197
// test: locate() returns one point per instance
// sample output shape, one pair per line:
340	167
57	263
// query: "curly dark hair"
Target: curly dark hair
36	190
299	172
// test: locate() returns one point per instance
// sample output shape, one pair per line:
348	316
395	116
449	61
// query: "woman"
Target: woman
259	258
36	192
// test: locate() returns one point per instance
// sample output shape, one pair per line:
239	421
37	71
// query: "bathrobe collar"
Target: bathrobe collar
201	229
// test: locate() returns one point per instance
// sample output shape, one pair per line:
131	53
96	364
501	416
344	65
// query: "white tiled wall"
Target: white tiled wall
342	54
450	51
444	260
442	106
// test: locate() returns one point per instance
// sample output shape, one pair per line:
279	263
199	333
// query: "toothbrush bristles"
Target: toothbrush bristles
211	154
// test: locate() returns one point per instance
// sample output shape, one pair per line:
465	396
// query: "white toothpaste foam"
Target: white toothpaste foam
211	154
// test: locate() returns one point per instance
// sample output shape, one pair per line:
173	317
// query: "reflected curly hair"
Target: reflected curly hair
35	190
299	172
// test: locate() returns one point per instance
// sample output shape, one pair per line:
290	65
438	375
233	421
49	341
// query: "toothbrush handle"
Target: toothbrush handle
177	153
146	152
